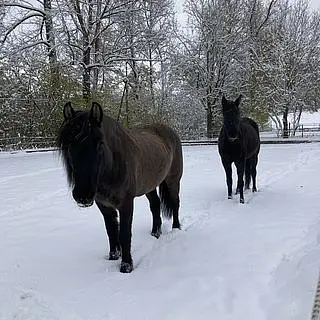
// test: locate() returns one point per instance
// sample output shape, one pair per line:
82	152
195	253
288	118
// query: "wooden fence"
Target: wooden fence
305	134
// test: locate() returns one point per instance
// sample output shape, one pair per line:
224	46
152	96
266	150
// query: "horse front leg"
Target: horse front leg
240	172
110	217
154	202
126	214
228	170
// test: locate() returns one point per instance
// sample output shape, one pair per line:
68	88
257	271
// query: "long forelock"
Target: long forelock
67	166
231	112
70	132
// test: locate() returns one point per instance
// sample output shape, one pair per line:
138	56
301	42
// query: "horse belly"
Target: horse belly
113	203
253	146
151	173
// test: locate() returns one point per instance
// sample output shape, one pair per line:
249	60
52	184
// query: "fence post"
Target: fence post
315	315
290	133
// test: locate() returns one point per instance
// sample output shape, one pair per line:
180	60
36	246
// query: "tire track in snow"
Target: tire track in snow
210	211
28	175
304	259
269	177
31	204
32	305
145	251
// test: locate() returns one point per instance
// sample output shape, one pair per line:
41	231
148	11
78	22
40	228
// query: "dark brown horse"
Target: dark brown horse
238	142
110	165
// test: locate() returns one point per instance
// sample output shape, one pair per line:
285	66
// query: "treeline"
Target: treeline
134	59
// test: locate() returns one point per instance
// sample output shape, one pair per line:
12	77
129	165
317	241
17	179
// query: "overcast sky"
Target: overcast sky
314	3
179	7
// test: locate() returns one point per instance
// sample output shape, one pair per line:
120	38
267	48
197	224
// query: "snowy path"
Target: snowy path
254	261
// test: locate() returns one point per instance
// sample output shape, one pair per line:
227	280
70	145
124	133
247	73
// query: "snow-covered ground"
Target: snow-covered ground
231	261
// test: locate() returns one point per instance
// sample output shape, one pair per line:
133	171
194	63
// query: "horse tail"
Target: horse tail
255	125
167	202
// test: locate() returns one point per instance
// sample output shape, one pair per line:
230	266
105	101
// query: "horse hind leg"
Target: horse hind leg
154	202
248	172
254	172
170	201
240	165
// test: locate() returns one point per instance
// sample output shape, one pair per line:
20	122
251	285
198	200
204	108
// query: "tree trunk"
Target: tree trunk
96	47
126	99
153	102
86	45
52	53
163	97
297	121
285	123
136	81
86	83
210	128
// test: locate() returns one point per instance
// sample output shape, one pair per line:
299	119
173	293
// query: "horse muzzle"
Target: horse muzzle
83	201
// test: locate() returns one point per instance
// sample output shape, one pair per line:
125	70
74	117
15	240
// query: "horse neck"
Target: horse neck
225	135
116	135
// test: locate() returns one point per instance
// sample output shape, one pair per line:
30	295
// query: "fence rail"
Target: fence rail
22	143
315	315
30	143
302	130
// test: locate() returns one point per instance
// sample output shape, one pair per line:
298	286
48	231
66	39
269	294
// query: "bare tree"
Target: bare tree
214	51
290	63
149	29
28	21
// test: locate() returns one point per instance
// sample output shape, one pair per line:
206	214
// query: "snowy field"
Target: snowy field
254	261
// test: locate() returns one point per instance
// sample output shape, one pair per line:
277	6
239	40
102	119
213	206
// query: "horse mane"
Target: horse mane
69	133
117	139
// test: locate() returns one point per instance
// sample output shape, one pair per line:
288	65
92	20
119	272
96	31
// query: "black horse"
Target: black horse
238	142
110	165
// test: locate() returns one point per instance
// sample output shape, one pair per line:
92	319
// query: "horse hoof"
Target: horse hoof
156	234
114	255
176	225
242	201
126	267
229	197
254	189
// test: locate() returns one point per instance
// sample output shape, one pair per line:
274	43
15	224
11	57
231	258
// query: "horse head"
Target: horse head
231	117
82	146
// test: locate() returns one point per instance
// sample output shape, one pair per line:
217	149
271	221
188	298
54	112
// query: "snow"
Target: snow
254	261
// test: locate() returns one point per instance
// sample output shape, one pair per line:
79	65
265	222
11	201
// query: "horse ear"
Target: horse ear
68	111
96	113
238	101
